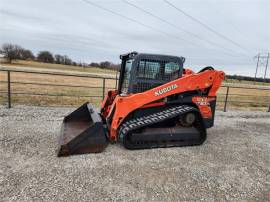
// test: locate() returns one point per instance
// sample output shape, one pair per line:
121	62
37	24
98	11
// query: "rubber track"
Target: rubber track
127	127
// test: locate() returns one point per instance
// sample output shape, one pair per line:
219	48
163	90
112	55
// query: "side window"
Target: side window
126	76
171	68
148	69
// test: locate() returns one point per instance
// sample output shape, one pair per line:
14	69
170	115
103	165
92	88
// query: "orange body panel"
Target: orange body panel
203	103
107	102
124	105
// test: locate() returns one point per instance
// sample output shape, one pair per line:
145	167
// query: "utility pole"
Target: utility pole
266	66
262	60
257	67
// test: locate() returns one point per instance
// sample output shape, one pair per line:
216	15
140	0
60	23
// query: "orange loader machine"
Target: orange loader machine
158	103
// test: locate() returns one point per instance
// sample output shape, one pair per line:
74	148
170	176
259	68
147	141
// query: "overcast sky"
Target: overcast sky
87	33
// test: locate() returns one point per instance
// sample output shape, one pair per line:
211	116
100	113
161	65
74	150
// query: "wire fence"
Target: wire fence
34	87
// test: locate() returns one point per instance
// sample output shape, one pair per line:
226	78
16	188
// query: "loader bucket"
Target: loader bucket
82	132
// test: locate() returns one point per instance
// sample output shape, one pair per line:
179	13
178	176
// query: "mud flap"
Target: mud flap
82	132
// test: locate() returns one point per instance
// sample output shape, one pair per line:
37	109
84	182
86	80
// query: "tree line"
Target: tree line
247	78
15	52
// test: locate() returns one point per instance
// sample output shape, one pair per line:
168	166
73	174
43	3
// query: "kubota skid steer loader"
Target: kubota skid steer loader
158	103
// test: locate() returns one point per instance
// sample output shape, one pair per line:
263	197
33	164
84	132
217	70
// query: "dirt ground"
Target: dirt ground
233	164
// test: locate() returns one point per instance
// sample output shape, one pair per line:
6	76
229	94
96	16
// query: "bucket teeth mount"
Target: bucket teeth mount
82	132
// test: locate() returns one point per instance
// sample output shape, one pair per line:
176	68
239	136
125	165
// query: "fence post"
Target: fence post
103	88
9	89
116	80
268	108
226	99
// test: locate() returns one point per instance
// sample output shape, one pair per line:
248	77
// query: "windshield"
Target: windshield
126	77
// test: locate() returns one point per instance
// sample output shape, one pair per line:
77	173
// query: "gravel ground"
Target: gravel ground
233	164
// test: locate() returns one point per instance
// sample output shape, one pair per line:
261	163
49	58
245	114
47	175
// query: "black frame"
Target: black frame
144	56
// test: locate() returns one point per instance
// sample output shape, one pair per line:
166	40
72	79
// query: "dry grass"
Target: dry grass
245	98
255	99
243	82
48	66
93	87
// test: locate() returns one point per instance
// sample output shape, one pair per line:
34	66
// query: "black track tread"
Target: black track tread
127	127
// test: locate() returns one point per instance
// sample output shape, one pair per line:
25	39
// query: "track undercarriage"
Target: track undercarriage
168	128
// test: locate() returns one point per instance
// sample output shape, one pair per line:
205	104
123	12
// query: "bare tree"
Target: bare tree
59	59
11	51
67	60
26	54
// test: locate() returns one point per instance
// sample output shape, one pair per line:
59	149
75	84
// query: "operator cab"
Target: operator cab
141	72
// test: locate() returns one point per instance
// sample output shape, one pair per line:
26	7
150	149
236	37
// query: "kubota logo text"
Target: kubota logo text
165	90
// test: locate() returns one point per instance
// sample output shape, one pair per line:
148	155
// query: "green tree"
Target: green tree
45	56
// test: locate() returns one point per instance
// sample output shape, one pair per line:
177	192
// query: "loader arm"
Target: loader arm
124	105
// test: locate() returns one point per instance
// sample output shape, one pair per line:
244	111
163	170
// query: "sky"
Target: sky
89	33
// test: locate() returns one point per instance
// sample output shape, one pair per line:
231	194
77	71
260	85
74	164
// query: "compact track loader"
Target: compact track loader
158	103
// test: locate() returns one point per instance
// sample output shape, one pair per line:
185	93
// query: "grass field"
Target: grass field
243	82
60	67
93	87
